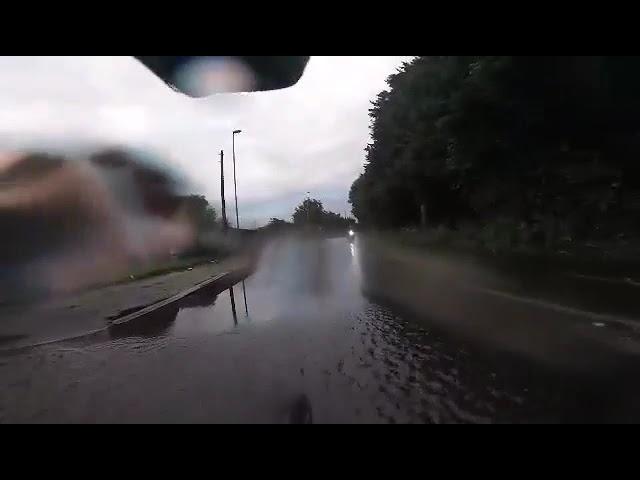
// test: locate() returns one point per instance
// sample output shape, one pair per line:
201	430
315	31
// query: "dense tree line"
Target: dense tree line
311	212
546	144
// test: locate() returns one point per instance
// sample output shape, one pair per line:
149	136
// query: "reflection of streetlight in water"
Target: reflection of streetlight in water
244	294
233	306
233	303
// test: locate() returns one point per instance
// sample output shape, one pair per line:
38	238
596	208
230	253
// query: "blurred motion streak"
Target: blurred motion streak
70	221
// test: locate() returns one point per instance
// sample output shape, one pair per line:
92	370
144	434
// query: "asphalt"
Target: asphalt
326	338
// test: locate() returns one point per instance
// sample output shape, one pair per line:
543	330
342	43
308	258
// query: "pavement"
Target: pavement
570	323
335	332
95	309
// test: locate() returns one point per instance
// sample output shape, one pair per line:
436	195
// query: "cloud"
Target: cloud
309	137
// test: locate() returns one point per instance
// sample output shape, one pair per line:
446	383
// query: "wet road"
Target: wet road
312	349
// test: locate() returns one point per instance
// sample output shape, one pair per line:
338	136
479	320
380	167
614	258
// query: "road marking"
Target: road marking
597	317
616	280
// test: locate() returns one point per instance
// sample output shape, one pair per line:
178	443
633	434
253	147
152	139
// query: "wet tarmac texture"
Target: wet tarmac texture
309	347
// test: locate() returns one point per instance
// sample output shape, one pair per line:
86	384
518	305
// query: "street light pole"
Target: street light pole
225	223
235	194
235	188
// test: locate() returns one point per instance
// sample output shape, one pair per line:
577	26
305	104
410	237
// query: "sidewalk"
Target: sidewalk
95	309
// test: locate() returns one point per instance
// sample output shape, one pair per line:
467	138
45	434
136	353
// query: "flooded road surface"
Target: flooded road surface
312	349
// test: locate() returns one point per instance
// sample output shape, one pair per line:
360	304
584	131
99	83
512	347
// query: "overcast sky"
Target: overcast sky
309	137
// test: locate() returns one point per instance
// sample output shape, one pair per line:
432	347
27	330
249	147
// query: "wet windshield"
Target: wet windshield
436	239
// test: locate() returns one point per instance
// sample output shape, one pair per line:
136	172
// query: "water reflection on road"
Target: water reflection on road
309	348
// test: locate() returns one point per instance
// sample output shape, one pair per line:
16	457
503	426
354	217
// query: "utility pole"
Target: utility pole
225	224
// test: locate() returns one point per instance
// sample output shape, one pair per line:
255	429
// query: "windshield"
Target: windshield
380	239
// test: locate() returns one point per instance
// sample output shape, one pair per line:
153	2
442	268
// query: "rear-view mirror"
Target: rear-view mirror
201	76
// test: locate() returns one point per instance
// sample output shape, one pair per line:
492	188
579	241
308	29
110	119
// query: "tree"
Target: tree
549	142
201	213
277	224
309	212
